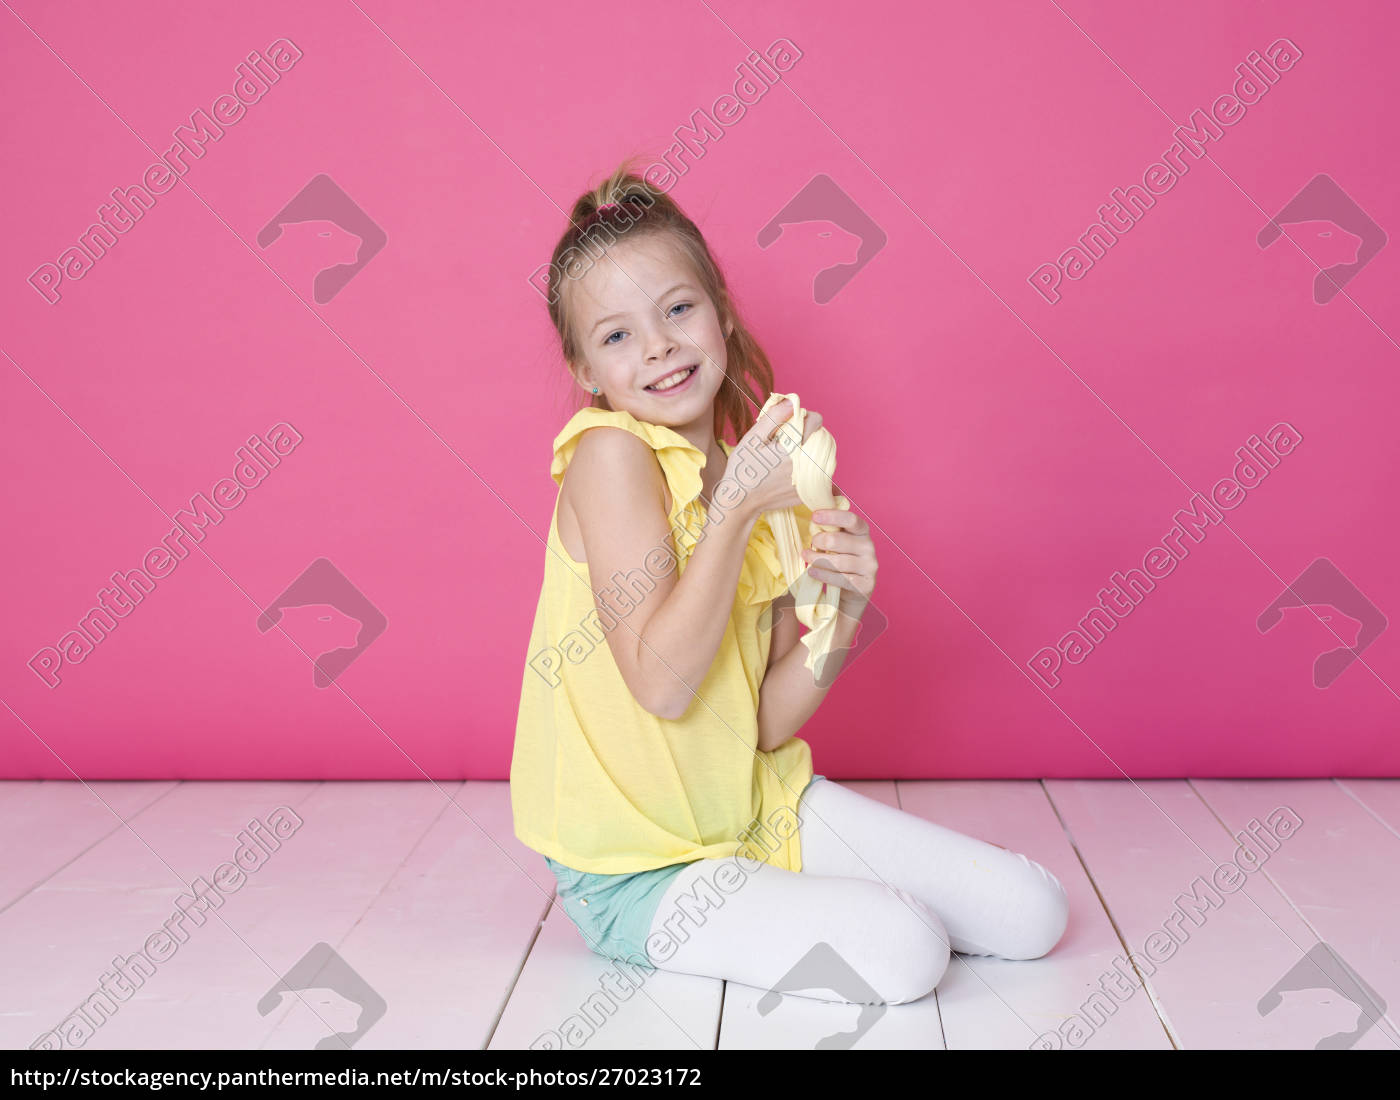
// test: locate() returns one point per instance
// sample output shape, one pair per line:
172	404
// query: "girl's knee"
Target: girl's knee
913	947
1042	907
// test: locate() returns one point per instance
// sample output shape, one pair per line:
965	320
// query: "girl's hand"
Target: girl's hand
761	449
845	558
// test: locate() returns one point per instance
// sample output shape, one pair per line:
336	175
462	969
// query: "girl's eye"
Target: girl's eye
679	305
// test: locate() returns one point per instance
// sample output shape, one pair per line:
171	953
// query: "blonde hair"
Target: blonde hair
640	210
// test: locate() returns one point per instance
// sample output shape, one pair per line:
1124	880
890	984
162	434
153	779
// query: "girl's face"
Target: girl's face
639	321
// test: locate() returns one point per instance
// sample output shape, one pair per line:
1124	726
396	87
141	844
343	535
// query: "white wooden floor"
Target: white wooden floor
424	894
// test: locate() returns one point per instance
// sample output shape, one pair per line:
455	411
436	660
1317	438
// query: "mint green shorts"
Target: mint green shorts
613	913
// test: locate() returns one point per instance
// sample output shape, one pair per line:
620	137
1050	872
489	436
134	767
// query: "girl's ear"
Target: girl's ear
585	381
576	371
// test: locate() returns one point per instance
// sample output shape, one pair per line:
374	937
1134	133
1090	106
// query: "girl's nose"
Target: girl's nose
660	343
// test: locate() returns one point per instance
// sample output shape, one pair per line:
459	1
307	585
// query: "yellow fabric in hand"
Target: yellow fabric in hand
813	464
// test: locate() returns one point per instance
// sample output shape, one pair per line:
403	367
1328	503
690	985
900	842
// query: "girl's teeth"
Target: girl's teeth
675	380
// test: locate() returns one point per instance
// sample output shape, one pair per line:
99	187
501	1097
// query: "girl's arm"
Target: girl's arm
843	556
790	694
671	626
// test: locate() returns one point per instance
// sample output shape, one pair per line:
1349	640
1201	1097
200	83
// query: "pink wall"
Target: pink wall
1010	453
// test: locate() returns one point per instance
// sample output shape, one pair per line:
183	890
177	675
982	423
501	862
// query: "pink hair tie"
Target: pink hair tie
606	207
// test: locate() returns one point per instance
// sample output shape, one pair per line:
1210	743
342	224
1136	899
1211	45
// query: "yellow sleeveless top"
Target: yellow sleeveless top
600	784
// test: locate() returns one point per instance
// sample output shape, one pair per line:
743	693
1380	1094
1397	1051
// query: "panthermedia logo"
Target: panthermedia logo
329	606
1321	982
822	967
836	229
1332	229
340	992
1322	593
328	231
870	626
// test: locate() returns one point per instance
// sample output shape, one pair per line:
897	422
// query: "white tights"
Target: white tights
836	927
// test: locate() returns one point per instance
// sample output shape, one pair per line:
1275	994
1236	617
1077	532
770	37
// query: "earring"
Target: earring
595	389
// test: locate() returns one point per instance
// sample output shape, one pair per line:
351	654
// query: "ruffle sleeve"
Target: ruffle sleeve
760	575
681	460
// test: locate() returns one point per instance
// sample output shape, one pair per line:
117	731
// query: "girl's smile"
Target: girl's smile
674	382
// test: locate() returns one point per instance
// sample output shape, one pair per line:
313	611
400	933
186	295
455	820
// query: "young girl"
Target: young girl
655	764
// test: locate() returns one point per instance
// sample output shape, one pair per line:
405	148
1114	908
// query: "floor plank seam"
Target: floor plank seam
79	855
520	969
1147	987
1282	893
1363	804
